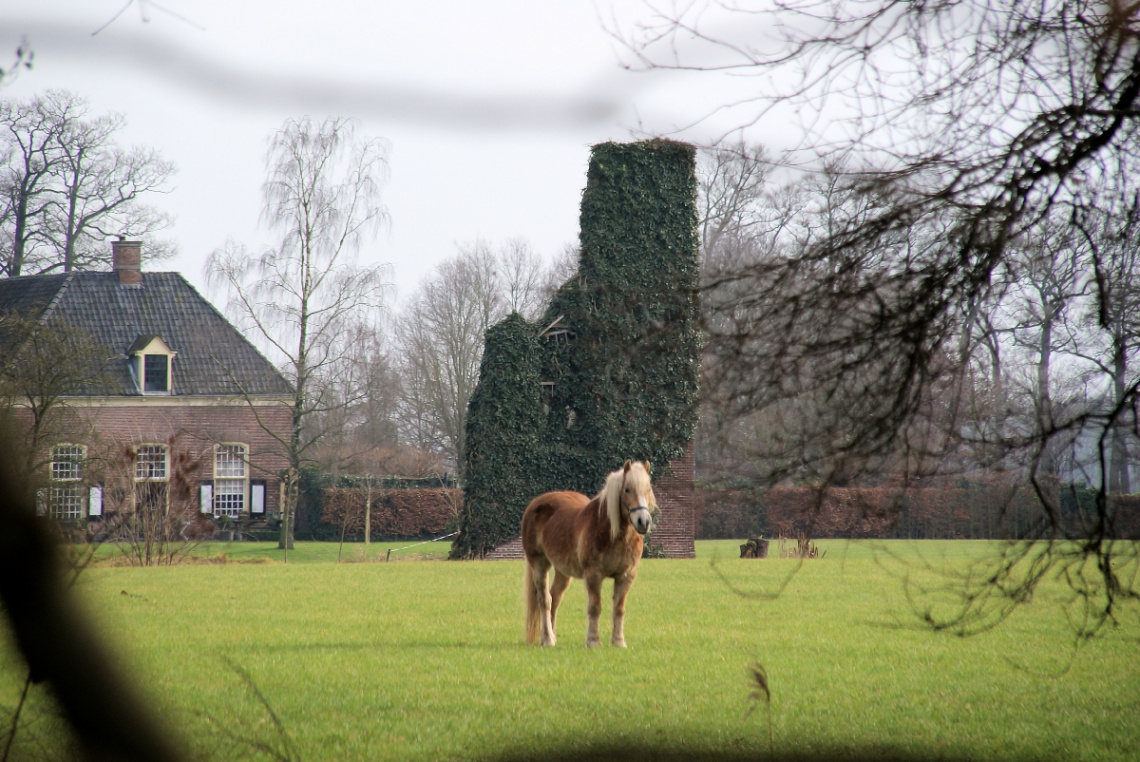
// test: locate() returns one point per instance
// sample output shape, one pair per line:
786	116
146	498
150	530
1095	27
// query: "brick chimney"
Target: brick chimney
125	258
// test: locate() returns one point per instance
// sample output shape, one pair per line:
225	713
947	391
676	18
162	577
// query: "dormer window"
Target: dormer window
156	373
151	365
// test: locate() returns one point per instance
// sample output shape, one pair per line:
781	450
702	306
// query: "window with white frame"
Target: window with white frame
150	477
230	478
150	462
68	494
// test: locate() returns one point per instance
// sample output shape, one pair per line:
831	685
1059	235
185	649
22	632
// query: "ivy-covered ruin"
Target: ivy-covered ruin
611	370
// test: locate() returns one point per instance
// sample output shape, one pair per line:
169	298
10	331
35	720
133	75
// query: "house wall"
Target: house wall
190	428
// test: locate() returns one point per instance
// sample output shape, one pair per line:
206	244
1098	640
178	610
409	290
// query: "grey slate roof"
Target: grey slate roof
212	356
25	297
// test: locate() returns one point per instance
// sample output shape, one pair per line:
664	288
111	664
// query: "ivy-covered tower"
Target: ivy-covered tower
610	372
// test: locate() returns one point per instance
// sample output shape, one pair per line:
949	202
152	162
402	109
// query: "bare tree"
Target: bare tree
740	214
299	298
97	190
1111	229
31	131
564	266
67	185
376	424
526	280
962	126
732	186
359	423
1038	307
440	335
41	366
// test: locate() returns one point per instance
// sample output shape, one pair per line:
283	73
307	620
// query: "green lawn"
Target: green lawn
841	550
306	552
426	661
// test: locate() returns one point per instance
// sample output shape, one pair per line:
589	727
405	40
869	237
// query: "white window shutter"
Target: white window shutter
206	497
95	501
257	497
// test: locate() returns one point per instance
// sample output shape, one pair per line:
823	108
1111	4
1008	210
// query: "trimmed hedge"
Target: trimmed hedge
625	377
395	512
314	486
982	508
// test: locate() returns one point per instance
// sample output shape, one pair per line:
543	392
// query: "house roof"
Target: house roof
142	342
213	357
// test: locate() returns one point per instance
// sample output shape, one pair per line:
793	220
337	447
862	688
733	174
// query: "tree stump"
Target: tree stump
754	548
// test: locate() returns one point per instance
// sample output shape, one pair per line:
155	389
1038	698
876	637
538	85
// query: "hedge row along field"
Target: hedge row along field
390	513
425	661
980	507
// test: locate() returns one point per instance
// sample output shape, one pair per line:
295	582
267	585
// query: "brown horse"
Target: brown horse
588	539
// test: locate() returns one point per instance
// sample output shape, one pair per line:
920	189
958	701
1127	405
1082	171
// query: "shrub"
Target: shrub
395	512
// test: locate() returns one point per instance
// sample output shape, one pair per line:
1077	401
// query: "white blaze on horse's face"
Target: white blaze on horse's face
640	519
637	497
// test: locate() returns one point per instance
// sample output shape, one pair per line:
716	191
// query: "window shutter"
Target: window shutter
206	497
257	496
95	500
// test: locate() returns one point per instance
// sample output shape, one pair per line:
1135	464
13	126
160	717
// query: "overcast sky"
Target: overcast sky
489	106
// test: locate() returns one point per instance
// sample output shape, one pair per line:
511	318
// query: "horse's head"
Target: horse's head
637	495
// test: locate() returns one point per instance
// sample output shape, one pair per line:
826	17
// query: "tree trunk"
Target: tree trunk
288	512
1119	481
19	238
1043	399
368	514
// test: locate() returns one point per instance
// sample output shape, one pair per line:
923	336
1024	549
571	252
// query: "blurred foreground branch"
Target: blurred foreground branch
56	640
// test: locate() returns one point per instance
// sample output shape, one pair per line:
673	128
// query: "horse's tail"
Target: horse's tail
533	610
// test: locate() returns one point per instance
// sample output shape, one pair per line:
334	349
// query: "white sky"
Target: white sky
490	107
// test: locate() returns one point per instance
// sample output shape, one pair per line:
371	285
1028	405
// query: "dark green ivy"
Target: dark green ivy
617	377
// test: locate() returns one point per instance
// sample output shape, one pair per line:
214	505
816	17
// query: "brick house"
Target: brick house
184	413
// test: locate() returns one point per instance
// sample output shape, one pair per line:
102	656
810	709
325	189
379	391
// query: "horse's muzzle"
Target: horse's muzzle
640	519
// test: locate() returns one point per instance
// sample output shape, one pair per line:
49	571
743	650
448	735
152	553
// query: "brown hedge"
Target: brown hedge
395	512
993	507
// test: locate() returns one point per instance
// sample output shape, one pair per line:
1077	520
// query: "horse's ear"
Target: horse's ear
648	468
628	465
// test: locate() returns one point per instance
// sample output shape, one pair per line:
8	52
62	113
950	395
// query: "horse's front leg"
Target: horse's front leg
622	584
593	607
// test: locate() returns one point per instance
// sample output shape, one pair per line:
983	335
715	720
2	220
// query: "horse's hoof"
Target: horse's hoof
619	643
593	643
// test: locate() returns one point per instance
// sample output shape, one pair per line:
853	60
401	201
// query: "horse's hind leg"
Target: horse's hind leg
561	582
541	594
622	585
593	607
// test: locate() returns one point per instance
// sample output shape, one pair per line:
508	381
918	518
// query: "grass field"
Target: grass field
425	660
304	552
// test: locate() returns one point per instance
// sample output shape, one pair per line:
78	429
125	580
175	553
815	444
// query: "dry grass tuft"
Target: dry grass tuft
804	548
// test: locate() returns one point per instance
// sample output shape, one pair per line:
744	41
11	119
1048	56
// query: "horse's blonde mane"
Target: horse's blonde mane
609	499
